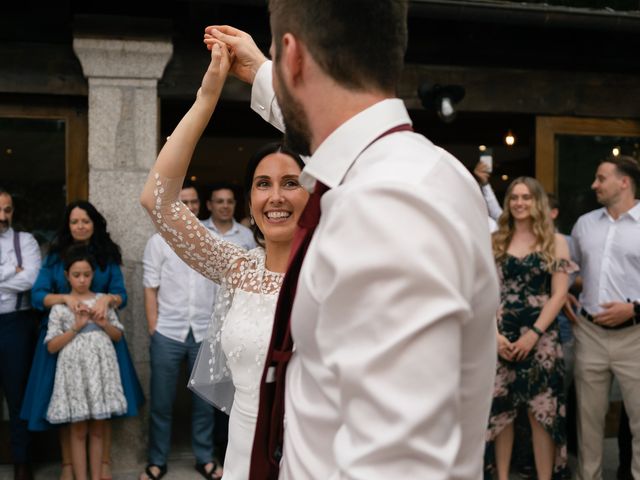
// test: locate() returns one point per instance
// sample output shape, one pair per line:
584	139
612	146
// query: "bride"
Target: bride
230	363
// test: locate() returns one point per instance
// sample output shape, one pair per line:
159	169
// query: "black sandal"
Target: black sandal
201	468
151	476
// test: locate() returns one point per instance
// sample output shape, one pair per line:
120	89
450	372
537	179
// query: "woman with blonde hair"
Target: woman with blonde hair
533	266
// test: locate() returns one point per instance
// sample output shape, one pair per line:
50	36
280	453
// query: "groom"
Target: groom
393	318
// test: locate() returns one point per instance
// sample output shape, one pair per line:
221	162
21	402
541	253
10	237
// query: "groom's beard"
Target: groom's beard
297	135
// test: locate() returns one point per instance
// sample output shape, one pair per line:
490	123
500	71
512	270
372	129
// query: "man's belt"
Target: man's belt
629	323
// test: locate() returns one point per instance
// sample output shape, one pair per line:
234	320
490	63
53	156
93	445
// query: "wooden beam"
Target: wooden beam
54	69
537	92
40	68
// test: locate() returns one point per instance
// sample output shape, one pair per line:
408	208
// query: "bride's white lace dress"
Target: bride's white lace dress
231	359
245	340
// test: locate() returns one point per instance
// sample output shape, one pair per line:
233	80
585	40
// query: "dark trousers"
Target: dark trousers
624	441
17	338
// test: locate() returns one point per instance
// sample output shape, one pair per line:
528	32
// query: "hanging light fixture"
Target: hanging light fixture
441	98
510	139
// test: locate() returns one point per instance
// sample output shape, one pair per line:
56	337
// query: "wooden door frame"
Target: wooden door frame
76	140
548	127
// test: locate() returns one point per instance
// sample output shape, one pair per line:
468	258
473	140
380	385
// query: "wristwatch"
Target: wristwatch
636	310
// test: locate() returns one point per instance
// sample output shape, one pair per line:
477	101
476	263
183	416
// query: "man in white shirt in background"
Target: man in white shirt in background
607	333
178	305
394	314
221	204
19	267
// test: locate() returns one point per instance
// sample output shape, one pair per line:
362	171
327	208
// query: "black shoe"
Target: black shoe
22	471
624	473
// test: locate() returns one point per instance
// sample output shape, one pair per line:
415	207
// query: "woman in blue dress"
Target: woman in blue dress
82	224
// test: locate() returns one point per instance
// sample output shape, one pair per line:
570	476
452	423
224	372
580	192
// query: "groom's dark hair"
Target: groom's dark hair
359	43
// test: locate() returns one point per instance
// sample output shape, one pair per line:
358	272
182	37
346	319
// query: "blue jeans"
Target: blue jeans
166	356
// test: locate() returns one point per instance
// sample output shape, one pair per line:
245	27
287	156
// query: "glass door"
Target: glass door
43	155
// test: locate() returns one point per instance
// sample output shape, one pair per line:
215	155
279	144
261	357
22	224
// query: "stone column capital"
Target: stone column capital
117	58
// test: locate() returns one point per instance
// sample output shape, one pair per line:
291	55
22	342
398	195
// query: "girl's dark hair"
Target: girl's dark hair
254	161
101	246
77	253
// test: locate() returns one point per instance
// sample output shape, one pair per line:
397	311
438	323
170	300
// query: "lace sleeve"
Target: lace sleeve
55	325
211	378
184	233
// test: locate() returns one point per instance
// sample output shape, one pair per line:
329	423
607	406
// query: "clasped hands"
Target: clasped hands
232	51
518	350
245	56
84	313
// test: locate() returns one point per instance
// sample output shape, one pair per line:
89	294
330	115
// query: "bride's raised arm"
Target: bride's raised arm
160	195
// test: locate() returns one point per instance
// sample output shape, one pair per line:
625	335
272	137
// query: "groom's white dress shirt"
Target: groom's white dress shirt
394	317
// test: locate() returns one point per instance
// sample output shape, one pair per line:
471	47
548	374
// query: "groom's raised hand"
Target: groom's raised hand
246	56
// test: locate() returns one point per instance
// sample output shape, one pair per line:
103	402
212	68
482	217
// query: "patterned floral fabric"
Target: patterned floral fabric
536	383
87	382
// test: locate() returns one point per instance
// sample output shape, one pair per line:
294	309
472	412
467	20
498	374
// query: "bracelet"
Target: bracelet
536	330
75	330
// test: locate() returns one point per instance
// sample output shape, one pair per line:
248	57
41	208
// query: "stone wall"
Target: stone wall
123	144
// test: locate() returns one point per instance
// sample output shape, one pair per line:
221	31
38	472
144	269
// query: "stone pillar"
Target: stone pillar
123	144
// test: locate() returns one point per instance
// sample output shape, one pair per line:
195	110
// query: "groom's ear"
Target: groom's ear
293	57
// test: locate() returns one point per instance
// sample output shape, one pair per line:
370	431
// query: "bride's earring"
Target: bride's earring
252	221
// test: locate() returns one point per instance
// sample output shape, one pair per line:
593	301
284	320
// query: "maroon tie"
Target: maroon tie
267	442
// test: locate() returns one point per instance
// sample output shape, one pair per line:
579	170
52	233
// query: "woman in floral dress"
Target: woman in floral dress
533	265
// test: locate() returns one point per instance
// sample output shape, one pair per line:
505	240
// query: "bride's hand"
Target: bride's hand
216	74
246	56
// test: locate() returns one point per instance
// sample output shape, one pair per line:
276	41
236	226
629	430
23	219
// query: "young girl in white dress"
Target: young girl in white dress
231	359
87	388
